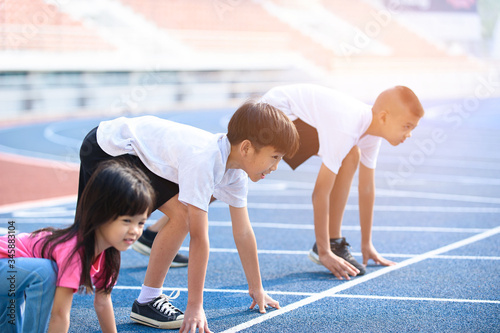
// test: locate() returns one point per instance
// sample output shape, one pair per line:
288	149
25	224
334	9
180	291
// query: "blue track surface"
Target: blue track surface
437	214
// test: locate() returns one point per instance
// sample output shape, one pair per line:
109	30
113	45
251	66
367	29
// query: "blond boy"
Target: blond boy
346	134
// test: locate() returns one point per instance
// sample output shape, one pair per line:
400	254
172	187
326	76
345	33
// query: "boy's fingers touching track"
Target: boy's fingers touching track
339	267
267	301
254	303
274	304
377	258
194	319
192	328
384	262
262	307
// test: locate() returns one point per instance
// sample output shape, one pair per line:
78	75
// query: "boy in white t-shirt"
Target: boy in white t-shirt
344	132
188	166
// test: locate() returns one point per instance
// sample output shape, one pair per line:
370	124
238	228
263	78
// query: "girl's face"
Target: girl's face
120	233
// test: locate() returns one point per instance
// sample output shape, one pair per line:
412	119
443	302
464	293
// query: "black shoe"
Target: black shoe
339	247
144	243
180	260
159	313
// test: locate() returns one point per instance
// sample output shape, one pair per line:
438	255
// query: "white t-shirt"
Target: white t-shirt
193	158
340	120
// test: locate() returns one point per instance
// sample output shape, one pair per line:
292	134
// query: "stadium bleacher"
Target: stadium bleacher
246	46
36	25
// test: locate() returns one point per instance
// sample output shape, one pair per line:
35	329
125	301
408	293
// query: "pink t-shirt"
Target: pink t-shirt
69	268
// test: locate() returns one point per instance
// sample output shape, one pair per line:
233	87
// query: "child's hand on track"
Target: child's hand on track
339	267
194	318
369	252
262	300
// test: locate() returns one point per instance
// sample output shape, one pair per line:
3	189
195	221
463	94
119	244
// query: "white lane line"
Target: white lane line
51	135
212	290
38	203
286	189
466	257
430	299
45	212
436	196
358	254
295	293
350	227
308	206
379	208
38	161
32	217
429	178
362	279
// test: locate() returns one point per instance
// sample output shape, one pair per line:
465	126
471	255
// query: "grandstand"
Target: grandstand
131	56
35	25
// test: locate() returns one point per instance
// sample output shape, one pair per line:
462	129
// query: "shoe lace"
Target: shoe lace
163	303
342	248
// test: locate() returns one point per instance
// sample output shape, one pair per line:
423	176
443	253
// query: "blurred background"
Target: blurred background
113	57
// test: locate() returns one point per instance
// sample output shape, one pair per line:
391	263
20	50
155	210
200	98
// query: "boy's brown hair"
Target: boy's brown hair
264	125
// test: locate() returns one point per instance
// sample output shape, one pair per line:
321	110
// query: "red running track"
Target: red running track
24	179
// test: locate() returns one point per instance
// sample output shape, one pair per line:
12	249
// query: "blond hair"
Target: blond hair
402	95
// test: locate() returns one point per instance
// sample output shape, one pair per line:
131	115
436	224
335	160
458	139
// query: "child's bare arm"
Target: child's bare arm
59	317
366	190
321	206
246	244
104	310
199	248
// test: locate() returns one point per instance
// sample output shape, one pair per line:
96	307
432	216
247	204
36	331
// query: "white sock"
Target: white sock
148	294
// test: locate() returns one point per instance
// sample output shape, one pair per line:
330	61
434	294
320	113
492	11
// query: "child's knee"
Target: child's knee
181	211
176	211
47	274
182	217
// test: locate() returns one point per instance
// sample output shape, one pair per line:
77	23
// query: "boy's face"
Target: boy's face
260	163
399	125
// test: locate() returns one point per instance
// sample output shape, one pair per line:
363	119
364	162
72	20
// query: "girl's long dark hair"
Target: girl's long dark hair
116	188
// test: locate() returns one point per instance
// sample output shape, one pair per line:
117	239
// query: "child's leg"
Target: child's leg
338	201
158	225
34	287
151	307
145	242
10	307
162	221
41	278
340	191
167	242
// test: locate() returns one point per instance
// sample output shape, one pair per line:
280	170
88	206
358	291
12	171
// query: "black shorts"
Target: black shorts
91	155
309	144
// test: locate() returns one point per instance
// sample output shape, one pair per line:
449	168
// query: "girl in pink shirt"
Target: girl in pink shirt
109	218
